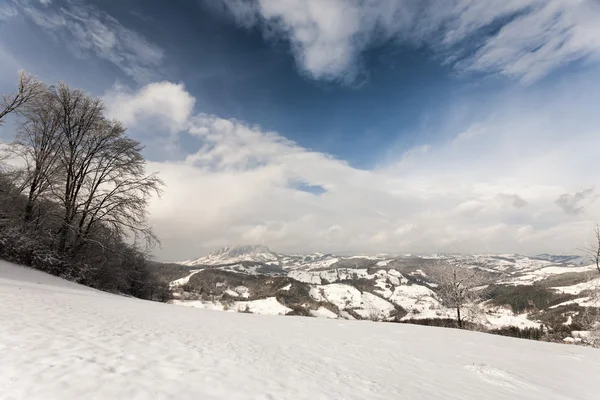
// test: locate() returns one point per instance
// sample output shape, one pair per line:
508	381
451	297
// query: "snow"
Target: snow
242	291
313	264
535	275
417	300
362	257
268	306
236	254
231	293
498	317
286	287
59	340
375	307
341	274
582	301
322	312
343	296
383	263
186	279
580	287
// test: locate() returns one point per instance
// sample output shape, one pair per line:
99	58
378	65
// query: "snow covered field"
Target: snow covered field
59	340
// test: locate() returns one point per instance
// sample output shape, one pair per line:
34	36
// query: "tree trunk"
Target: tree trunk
30	200
29	208
458	318
63	236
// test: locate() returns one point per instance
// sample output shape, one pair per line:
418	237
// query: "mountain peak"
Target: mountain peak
231	254
237	251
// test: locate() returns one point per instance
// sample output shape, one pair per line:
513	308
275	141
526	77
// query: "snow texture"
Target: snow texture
186	279
593	285
59	340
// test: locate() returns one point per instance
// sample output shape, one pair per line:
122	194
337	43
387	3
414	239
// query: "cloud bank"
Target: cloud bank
517	181
523	39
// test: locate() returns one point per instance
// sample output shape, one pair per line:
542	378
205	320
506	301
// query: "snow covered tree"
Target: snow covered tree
458	287
103	179
37	144
28	89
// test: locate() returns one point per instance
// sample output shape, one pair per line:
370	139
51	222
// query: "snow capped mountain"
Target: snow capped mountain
262	254
236	254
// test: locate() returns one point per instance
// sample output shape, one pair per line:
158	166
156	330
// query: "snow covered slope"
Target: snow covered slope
59	340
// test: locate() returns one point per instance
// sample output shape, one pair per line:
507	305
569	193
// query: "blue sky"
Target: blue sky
340	126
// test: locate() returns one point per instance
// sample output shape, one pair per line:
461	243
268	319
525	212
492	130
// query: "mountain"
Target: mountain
235	254
570	259
261	254
61	340
524	291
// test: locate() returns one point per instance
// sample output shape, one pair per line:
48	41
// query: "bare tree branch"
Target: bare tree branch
29	88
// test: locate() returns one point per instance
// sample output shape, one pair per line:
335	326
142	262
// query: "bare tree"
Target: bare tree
37	143
28	89
103	172
592	249
75	157
458	286
117	189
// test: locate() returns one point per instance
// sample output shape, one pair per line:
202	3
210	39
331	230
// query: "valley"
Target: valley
541	292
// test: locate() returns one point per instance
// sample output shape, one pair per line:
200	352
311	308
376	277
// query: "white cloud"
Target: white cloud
86	29
329	37
491	191
163	102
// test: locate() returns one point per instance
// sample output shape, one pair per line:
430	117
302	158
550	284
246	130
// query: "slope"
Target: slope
59	340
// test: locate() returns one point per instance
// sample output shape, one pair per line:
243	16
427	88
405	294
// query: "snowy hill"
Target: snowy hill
59	340
383	287
506	263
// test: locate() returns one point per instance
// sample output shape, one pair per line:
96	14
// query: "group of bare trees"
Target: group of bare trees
76	157
80	180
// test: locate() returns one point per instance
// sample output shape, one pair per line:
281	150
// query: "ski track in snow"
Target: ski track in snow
59	340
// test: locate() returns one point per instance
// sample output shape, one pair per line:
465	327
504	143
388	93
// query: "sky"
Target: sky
340	126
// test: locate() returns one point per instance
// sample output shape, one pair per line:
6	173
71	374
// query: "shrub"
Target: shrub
516	332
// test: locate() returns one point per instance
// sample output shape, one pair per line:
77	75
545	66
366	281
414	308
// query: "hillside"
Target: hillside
60	340
526	292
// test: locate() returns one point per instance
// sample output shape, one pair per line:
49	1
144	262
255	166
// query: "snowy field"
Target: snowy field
59	340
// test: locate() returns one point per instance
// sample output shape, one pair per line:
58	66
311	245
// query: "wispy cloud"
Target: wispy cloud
87	30
493	191
7	11
523	39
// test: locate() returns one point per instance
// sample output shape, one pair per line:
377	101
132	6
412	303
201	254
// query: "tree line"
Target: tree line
74	191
